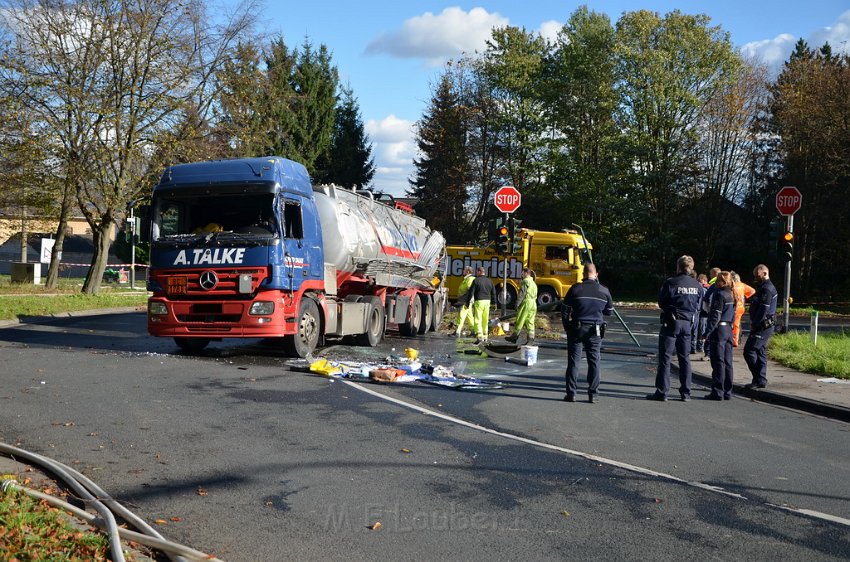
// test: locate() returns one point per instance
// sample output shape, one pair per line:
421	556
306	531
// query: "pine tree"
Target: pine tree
442	171
350	162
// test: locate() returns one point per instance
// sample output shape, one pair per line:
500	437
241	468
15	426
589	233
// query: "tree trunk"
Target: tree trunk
53	268
91	286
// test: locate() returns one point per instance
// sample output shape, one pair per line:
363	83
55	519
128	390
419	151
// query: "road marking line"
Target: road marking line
596	458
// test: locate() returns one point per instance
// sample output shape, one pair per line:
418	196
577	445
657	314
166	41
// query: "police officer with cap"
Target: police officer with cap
678	300
581	313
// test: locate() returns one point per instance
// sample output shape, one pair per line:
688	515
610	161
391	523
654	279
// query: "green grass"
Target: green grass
831	356
19	299
33	530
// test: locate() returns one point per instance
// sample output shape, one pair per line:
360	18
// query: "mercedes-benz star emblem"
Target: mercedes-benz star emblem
208	280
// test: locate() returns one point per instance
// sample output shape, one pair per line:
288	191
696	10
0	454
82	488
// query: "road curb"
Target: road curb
794	402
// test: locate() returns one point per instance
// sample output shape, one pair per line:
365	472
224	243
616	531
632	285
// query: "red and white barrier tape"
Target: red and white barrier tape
109	264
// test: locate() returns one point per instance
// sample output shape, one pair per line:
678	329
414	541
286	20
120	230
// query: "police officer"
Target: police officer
721	315
581	313
762	319
678	300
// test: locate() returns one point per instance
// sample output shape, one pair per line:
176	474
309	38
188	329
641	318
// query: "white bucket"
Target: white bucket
529	354
506	327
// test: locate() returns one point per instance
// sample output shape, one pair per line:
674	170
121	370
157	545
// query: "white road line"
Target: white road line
596	458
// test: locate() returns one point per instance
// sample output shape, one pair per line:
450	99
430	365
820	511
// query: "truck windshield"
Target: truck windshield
178	217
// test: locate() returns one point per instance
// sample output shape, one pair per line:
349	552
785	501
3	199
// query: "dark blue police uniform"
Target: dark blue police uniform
762	318
721	316
678	299
584	305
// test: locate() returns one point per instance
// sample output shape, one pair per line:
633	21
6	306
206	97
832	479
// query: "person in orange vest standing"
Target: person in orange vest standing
740	292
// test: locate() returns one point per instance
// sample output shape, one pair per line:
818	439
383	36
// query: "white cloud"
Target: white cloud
837	35
549	30
394	148
774	52
437	38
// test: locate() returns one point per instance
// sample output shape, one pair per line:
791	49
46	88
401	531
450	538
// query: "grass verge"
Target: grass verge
16	306
33	530
830	357
19	299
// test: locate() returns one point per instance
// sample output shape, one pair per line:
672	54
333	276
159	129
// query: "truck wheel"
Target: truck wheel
410	329
510	301
192	345
546	296
306	337
375	321
427	312
439	309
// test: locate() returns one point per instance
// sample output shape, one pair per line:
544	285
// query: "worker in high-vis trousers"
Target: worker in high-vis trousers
466	307
481	293
526	312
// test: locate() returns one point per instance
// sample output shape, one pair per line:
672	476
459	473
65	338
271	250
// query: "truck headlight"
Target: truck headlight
156	308
262	308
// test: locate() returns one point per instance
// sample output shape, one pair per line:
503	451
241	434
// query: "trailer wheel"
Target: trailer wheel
306	337
439	310
410	329
546	296
427	312
375	322
191	345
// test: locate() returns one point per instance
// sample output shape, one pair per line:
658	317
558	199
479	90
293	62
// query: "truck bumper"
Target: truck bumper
219	318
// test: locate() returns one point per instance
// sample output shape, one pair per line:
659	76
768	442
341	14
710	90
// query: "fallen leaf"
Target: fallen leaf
565	513
375	526
160	521
177	519
268	503
93	434
405	450
202	491
659	500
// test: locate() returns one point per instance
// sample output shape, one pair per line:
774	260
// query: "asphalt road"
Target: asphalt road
262	461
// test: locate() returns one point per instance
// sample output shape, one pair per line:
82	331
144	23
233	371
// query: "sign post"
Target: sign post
788	201
507	199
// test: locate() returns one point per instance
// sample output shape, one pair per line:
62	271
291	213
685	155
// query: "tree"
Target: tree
242	111
111	79
728	141
349	163
668	69
513	65
302	101
441	170
584	161
810	115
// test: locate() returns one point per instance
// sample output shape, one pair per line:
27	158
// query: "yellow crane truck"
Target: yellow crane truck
556	257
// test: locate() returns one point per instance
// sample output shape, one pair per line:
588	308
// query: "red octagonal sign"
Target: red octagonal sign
788	200
507	199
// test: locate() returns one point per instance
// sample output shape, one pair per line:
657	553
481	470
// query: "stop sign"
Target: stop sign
507	199
788	200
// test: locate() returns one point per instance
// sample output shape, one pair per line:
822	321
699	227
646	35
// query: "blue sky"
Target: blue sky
391	52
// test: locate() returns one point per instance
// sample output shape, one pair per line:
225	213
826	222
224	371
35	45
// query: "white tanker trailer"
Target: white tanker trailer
248	248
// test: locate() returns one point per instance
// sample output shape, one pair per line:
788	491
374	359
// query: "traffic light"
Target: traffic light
773	237
787	246
516	241
503	242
